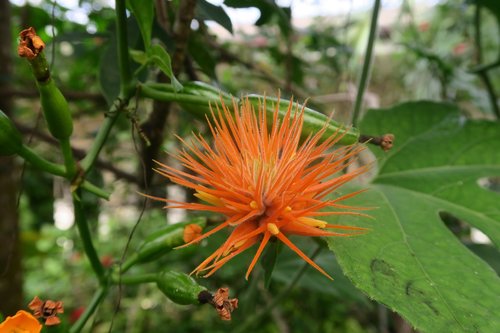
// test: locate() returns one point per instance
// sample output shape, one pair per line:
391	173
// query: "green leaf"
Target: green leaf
139	57
160	57
269	260
144	13
208	11
410	261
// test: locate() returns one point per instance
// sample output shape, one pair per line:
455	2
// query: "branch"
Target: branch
79	153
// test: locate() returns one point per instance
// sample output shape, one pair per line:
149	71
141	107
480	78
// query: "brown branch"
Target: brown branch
79	153
154	126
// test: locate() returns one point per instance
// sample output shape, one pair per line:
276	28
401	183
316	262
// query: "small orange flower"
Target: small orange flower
191	231
21	322
265	180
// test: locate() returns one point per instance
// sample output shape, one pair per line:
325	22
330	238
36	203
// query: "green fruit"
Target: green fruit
314	121
56	110
180	288
164	240
10	138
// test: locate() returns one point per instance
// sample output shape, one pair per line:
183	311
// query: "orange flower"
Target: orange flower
22	322
266	181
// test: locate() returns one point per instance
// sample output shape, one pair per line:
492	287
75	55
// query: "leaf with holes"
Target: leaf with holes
410	261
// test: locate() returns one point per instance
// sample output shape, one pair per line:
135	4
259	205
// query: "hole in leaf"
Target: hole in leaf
463	230
490	183
474	239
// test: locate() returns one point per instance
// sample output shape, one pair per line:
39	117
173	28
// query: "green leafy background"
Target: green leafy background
410	260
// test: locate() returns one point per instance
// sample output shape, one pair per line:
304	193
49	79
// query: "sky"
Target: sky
300	8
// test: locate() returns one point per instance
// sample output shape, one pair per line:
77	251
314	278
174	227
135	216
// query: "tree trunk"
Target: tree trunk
10	257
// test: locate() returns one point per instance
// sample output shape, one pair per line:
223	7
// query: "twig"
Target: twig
365	72
79	153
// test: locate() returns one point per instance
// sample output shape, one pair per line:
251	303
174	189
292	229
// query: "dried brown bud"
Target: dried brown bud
48	310
30	44
223	305
386	142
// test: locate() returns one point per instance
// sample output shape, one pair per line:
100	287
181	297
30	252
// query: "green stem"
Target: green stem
94	303
135	279
363	81
257	316
69	160
131	261
126	88
58	170
123	55
88	161
39	162
147	91
85	236
491	93
88	186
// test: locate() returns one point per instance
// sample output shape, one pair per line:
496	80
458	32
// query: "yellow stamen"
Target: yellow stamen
312	222
254	204
288	209
273	229
212	199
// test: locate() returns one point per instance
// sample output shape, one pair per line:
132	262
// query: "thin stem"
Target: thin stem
123	55
126	88
39	162
88	186
257	316
363	81
69	160
147	90
94	303
491	93
135	279
85	236
113	114
58	170
482	70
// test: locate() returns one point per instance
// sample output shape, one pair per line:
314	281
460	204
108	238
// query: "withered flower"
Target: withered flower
48	310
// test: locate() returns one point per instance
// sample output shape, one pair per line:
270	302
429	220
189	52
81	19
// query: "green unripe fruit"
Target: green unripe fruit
314	121
164	240
10	138
203	89
56	110
180	288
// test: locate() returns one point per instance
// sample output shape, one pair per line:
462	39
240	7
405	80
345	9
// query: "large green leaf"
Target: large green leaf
410	261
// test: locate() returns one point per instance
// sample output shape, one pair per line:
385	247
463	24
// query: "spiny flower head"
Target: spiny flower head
265	180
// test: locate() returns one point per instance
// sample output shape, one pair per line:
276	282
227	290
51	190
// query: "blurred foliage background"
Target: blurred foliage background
424	51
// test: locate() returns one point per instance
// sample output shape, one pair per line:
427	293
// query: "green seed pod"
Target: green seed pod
180	288
10	138
164	240
203	89
56	110
313	120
